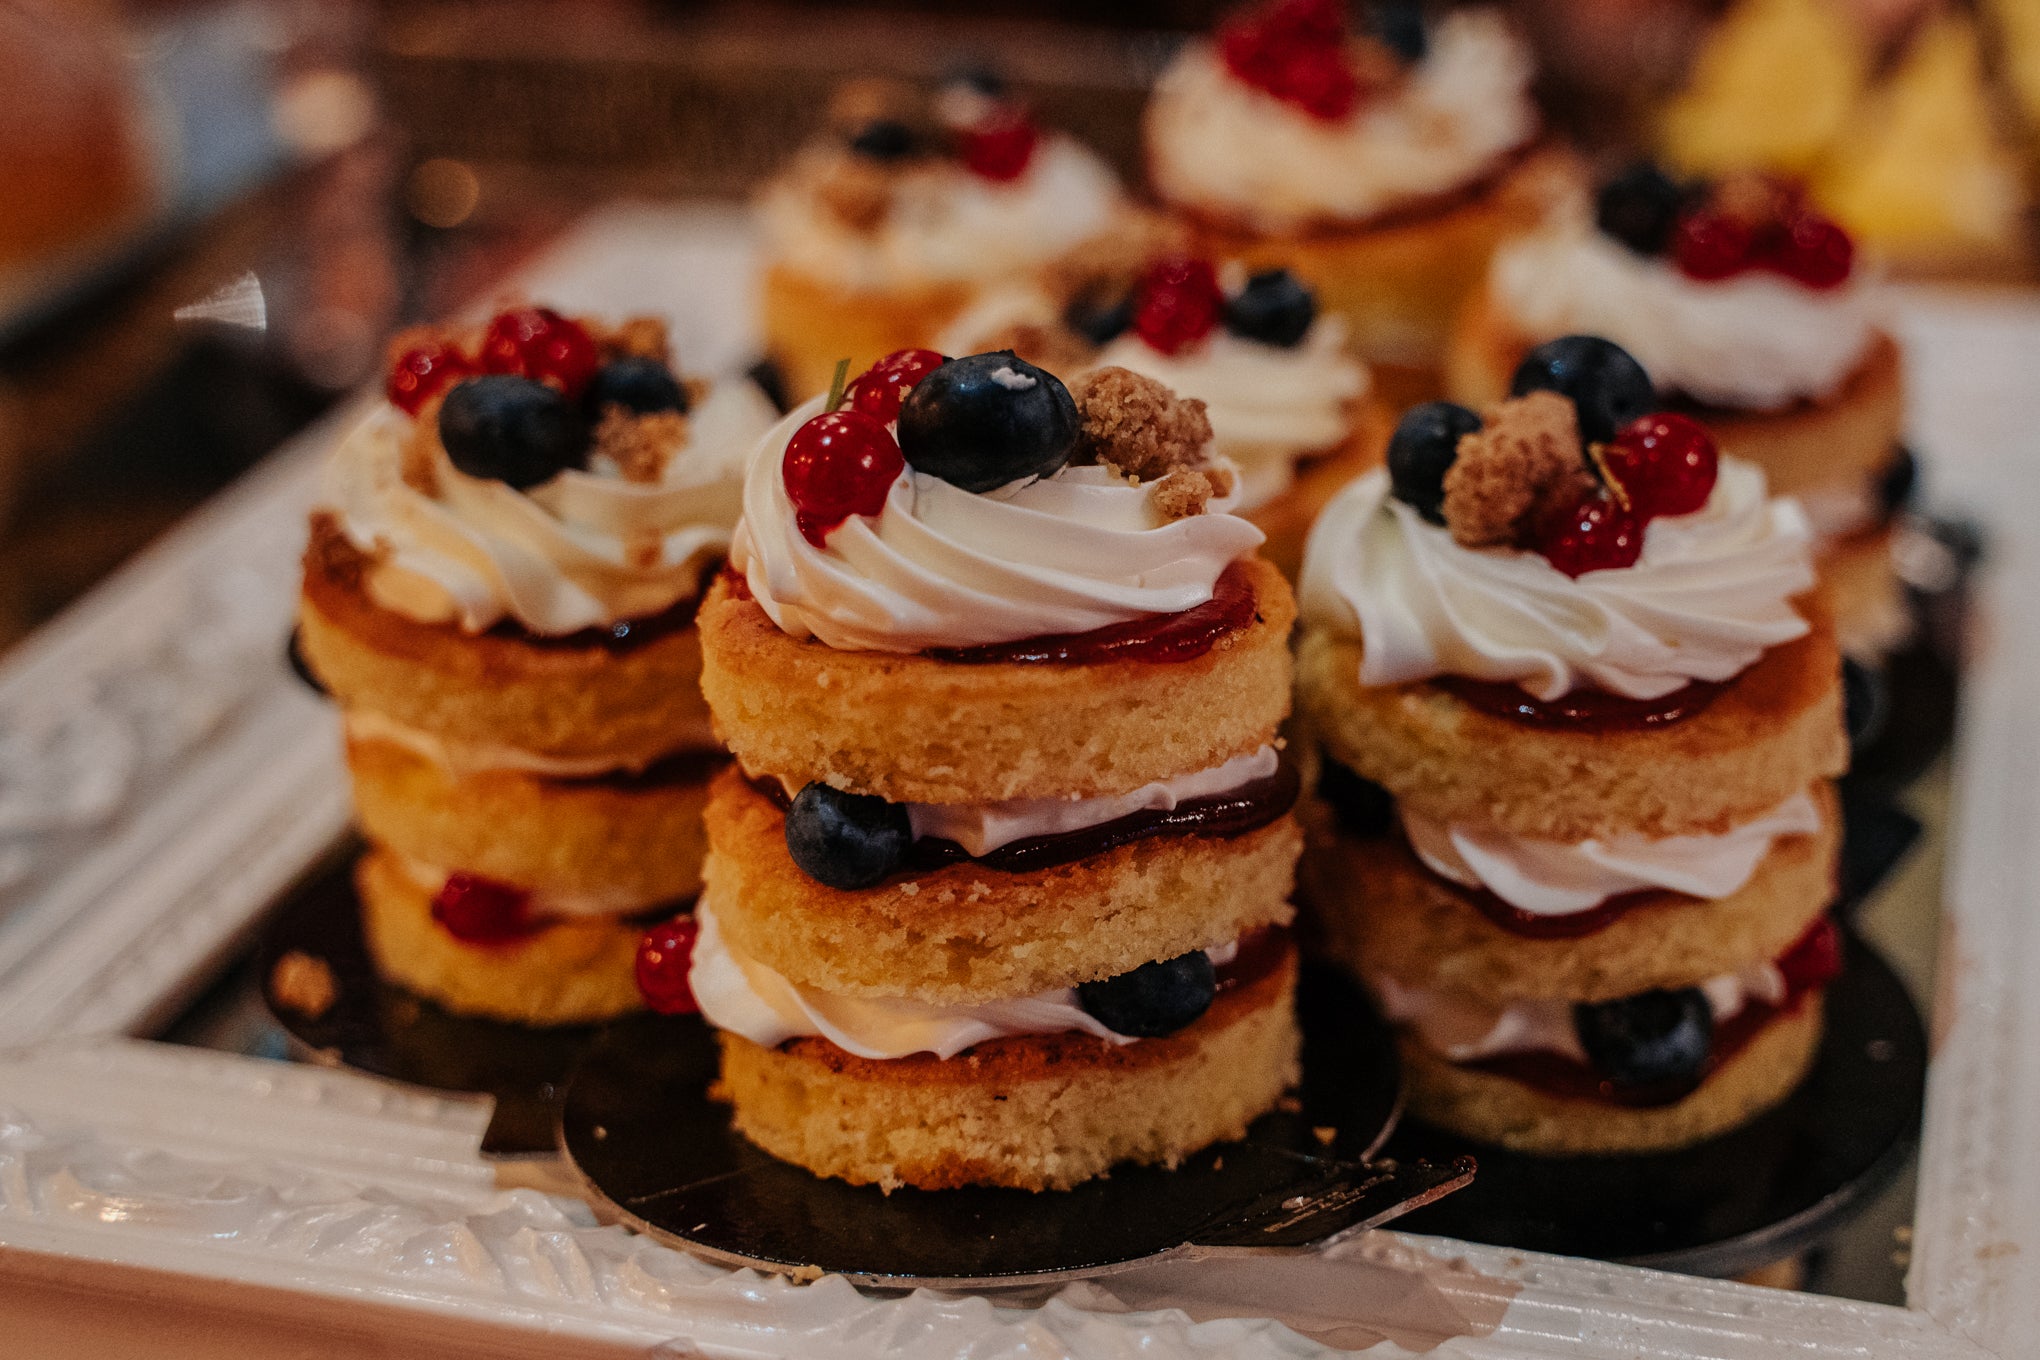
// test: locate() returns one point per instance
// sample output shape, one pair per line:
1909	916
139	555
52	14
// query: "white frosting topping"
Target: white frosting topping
1710	593
1753	341
1549	878
1269	406
743	996
944	567
945	224
1217	143
583	550
462	757
1466	1030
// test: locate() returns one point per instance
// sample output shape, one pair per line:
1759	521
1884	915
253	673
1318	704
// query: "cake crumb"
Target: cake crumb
640	445
1324	1133
857	192
1138	425
418	462
1526	454
1187	491
1289	1105
636	337
304	984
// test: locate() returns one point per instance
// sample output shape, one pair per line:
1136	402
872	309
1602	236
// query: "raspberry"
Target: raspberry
422	372
1593	533
838	465
1665	464
1295	50
1178	303
664	958
477	910
540	344
1815	959
879	390
1812	250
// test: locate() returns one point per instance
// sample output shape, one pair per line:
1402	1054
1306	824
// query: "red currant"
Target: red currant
1816	959
1178	303
1710	245
1593	533
999	150
423	371
1665	464
477	910
838	465
540	344
1812	250
664	956
879	390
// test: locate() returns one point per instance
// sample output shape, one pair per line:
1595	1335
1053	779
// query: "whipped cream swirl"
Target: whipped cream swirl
1221	145
584	550
944	224
739	994
1550	878
1754	341
1467	1030
1710	594
1269	406
944	567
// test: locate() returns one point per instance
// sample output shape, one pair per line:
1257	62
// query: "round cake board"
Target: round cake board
639	1127
377	1027
1746	1199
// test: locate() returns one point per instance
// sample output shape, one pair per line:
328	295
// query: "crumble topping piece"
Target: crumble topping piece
1186	491
639	445
1525	455
635	337
1137	425
304	984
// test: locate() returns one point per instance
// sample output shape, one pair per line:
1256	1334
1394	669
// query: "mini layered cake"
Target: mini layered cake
1382	167
1754	315
881	231
998	889
1288	405
1578	713
500	594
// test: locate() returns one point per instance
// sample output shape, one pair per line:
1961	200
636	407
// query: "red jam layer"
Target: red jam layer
1260	953
485	913
1156	638
1583	710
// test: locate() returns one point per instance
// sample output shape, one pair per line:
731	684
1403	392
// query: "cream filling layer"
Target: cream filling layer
1465	1030
544	906
1550	878
743	996
463	758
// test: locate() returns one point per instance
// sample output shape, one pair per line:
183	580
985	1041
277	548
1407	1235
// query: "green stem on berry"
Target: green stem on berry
1597	455
837	384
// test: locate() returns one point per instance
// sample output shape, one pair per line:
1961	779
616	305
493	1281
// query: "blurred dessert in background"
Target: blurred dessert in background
1381	166
884	229
500	594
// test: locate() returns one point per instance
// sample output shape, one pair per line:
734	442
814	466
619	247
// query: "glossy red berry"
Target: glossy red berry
837	465
879	390
1001	149
664	957
540	344
1665	463
477	910
1593	533
423	371
1295	50
1710	245
1178	303
1816	959
1810	249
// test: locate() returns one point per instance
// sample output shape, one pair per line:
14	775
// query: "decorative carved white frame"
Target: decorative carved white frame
162	778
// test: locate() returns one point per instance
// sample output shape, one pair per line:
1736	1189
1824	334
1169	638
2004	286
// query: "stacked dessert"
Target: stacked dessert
1383	167
883	230
998	890
499	592
1753	313
1578	713
1287	404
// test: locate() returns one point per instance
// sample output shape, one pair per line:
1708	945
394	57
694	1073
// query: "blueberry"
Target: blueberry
846	840
884	139
1363	807
986	420
1099	317
1865	700
511	429
1650	1037
979	77
770	379
1605	385
1273	308
1898	482
294	653
1154	999
1639	207
1399	26
640	385
1422	451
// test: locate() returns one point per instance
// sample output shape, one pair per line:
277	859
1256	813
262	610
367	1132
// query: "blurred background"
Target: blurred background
217	211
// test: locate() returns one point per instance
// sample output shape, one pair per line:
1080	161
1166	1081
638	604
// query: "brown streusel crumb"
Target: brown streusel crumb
858	192
304	984
1525	454
1186	491
418	464
635	337
640	445
1138	425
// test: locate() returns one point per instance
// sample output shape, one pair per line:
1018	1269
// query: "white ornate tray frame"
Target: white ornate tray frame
162	777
